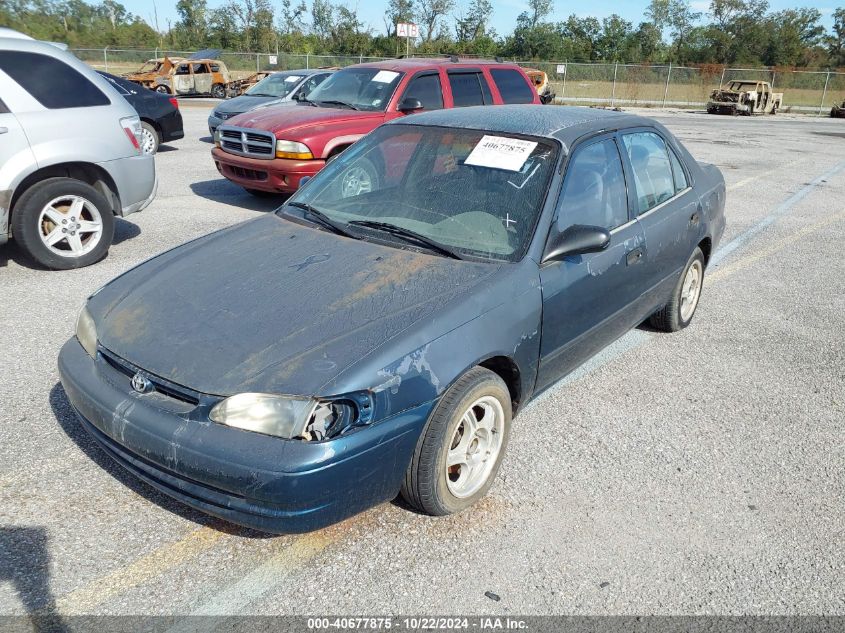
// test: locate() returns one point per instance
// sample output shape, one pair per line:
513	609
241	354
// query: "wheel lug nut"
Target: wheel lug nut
64	221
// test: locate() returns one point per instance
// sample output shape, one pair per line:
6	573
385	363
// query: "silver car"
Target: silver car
279	89
70	155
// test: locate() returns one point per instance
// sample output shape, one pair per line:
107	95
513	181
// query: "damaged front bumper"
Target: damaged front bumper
254	480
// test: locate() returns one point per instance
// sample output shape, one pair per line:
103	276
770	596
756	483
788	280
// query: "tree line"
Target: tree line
732	32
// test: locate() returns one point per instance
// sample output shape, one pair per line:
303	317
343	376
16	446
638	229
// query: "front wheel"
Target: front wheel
462	445
162	89
218	91
678	312
63	223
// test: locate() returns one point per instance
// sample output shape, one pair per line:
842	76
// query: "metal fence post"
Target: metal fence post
257	63
666	90
306	61
613	90
722	79
106	58
566	66
824	93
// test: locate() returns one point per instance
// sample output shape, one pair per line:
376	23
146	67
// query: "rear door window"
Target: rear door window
51	82
512	85
467	88
427	89
677	171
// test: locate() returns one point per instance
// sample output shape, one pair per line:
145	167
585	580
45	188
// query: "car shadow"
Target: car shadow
124	230
166	148
206	139
221	190
25	565
69	423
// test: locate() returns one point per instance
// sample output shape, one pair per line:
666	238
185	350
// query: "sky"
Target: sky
504	11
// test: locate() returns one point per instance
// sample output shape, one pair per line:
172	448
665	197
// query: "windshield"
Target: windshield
357	88
275	85
742	86
477	193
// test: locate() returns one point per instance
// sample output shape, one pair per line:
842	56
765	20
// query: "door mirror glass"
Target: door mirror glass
577	240
409	105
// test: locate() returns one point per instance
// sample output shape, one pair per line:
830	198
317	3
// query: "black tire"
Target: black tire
258	193
218	91
670	318
163	89
151	135
27	231
425	486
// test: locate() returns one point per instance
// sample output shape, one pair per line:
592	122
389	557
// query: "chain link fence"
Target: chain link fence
649	85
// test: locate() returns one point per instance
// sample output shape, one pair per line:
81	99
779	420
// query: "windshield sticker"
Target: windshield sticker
500	152
293	78
385	76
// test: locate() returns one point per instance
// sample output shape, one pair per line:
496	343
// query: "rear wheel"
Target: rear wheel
63	223
218	91
149	138
461	448
678	312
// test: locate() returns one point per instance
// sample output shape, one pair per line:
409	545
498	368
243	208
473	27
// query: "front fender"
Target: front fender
418	368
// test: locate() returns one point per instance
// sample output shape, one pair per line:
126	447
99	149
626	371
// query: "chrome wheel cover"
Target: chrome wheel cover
691	290
70	226
355	181
148	141
474	447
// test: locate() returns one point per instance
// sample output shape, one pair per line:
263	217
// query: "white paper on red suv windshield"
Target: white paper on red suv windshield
500	152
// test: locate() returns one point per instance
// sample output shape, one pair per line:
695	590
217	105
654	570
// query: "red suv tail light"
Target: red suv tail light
173	101
132	127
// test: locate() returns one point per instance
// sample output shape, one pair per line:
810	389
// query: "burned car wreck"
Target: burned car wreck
288	372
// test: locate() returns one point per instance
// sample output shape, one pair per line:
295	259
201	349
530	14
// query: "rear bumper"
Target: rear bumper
250	479
276	175
135	179
171	127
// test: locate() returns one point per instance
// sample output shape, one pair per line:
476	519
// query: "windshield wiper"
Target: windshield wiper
323	219
408	234
340	103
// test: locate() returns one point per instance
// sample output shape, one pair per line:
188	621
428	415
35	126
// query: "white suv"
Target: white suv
70	155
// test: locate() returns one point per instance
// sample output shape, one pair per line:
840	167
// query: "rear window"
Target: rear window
52	83
512	85
467	89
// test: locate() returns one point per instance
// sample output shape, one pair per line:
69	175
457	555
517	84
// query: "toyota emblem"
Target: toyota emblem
141	384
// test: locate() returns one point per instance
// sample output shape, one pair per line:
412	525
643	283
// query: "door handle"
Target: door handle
635	256
3	130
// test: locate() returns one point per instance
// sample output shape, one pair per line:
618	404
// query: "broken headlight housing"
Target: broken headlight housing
86	332
287	417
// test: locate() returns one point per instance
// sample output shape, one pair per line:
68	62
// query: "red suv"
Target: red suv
272	149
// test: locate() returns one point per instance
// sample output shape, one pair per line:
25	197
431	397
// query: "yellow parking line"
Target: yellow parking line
745	181
88	597
744	262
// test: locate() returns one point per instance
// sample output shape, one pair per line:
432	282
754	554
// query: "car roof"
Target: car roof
565	123
422	63
303	71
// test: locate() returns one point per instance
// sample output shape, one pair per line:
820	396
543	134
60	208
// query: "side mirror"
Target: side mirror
577	240
409	105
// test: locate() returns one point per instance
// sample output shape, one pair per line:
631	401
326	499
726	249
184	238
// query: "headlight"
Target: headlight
287	417
86	332
293	149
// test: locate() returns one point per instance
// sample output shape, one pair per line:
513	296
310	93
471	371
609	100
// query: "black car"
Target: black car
160	117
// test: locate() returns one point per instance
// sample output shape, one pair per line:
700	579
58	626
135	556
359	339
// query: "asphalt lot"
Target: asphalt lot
699	472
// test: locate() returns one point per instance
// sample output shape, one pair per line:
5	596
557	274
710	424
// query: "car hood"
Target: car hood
274	306
245	103
302	116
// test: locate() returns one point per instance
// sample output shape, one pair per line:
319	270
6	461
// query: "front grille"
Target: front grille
246	142
247	174
162	386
